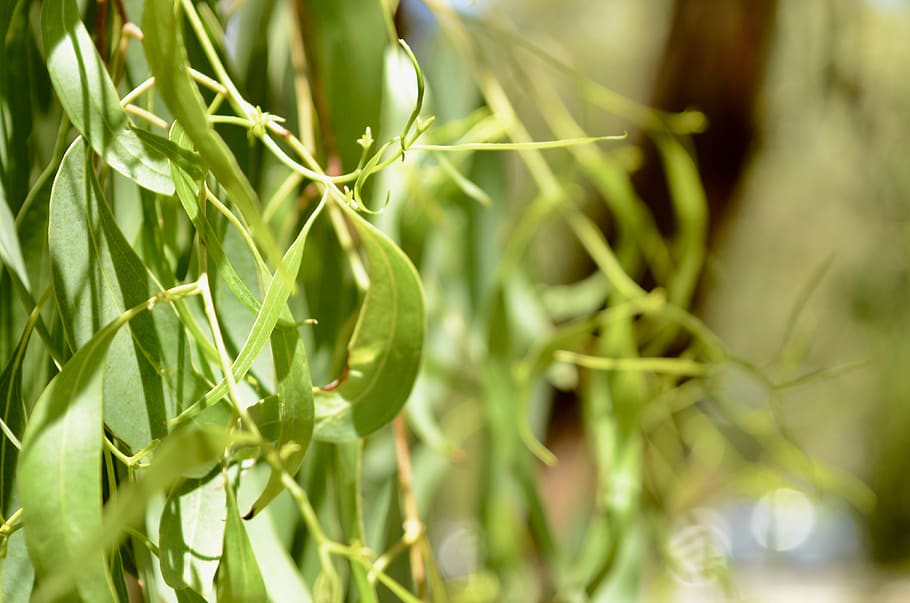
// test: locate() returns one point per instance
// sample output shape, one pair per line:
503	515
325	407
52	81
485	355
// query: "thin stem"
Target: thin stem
137	91
413	527
669	366
50	169
517	146
244	233
147	116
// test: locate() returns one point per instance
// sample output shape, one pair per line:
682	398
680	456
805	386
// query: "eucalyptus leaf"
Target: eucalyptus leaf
17	575
97	275
385	350
180	453
239	579
15	111
166	55
90	100
191	532
59	477
13	414
187	186
351	74
273	308
10	250
295	409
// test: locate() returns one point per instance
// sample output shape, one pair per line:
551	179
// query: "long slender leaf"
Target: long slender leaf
385	350
273	308
239	578
60	471
91	102
295	409
97	275
17	575
191	532
10	250
15	90
181	453
166	55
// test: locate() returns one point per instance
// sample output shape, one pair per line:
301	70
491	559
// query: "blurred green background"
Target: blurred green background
803	162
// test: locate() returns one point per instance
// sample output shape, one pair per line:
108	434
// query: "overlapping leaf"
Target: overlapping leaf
167	60
385	350
184	451
60	471
239	578
97	275
191	532
91	102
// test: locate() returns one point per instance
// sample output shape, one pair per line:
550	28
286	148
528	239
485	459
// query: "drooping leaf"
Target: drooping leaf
385	350
167	59
10	250
272	310
17	575
270	539
350	74
97	275
187	186
59	477
295	409
90	100
239	578
191	532
184	451
13	413
15	112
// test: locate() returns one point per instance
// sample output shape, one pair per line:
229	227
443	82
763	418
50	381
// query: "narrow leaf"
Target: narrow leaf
90	100
97	275
295	409
239	578
385	350
10	250
179	454
12	412
60	471
273	308
187	186
167	59
191	532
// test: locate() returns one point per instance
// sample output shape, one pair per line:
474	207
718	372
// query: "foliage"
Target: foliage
214	404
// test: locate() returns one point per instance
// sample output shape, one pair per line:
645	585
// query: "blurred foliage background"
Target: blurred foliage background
806	270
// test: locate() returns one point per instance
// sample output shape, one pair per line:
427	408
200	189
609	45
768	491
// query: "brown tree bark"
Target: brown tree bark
714	61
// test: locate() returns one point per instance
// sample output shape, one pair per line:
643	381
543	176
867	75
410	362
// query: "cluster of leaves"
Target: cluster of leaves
179	357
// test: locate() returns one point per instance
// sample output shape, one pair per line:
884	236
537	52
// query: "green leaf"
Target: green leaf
190	533
295	409
167	59
10	250
385	350
239	578
97	275
188	595
13	413
273	308
270	536
345	42
17	576
60	471
16	110
179	454
90	100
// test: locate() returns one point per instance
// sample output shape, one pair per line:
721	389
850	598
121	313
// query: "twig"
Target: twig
413	527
